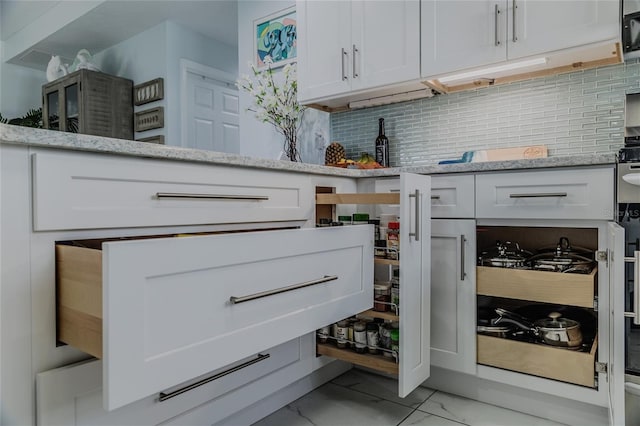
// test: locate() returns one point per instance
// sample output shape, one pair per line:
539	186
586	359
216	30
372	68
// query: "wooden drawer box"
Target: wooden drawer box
539	359
538	286
161	311
81	191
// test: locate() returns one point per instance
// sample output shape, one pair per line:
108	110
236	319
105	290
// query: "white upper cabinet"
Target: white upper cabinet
347	46
462	34
457	35
539	26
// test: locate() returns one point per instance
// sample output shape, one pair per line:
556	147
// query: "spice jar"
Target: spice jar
342	333
360	218
385	338
393	240
360	336
345	220
373	337
323	334
395	341
381	296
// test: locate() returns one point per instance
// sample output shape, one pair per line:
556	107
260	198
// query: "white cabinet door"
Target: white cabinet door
458	35
616	325
385	46
453	337
176	308
415	280
324	48
546	25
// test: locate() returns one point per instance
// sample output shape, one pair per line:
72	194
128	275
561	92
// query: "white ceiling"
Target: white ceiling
111	22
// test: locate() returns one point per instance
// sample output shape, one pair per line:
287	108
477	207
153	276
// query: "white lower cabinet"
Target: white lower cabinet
72	395
453	288
411	362
168	305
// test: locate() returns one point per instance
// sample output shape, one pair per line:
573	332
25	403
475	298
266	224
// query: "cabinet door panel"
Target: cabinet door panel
385	47
453	342
462	34
325	33
176	308
547	25
415	280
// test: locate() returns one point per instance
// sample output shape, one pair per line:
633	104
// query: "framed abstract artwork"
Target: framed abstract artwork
276	36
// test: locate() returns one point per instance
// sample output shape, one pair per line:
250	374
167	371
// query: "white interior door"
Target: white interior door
415	281
212	114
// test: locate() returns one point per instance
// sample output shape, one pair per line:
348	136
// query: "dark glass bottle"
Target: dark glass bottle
382	145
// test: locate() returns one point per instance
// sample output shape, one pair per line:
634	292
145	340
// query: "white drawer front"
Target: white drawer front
167	309
73	395
453	196
548	194
81	191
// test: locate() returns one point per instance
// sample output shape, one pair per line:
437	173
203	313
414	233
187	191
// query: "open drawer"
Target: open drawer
162	311
577	367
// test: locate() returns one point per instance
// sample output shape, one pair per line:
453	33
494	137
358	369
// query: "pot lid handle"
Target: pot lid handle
555	315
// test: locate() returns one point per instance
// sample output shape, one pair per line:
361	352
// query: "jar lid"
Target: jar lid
394	225
344	218
360	217
372	326
395	334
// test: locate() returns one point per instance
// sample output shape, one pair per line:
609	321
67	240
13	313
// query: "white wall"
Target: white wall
182	43
20	89
156	53
259	139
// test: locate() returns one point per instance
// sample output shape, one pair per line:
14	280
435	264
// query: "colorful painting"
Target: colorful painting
276	37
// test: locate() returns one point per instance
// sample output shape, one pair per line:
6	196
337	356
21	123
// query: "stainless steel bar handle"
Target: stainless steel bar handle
435	197
463	240
162	396
353	61
514	37
235	300
210	196
495	14
416	234
344	74
636	286
539	195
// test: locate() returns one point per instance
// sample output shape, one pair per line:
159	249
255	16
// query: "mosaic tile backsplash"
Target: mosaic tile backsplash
574	113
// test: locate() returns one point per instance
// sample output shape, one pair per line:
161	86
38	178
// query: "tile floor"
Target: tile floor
361	398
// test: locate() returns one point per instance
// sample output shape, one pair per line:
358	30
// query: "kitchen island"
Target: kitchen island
61	187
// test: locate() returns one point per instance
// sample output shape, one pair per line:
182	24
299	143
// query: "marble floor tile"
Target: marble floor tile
332	405
476	413
420	418
382	387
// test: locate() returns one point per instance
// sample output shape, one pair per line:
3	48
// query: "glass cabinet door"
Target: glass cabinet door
53	115
71	108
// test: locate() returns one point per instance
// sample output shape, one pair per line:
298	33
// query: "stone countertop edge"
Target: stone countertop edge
41	138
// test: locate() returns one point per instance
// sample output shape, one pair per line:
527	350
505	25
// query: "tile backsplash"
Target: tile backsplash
575	113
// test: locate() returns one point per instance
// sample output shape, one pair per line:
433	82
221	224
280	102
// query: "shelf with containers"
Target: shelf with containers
411	361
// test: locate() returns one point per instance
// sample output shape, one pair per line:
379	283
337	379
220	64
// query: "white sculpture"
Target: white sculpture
83	61
56	69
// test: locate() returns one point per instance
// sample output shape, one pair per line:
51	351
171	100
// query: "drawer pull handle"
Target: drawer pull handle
539	195
211	196
435	197
235	300
164	396
416	234
463	273
636	286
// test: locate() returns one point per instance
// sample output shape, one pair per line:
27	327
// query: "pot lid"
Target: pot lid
555	321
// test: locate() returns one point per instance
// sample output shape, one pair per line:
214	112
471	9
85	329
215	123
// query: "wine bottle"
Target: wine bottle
382	145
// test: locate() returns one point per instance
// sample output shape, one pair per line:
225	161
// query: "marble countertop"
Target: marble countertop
17	135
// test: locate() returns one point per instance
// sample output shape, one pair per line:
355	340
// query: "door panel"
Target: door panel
453	339
415	280
616	325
